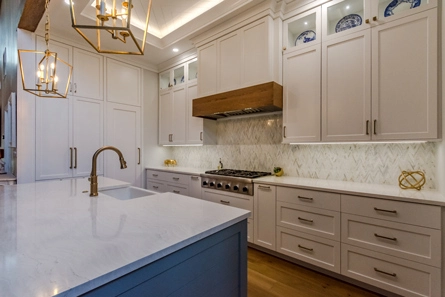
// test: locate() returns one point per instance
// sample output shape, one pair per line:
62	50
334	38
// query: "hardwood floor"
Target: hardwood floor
269	276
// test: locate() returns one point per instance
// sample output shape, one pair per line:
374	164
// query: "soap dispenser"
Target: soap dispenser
220	165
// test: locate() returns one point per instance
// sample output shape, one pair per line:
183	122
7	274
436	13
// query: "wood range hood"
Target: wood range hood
267	97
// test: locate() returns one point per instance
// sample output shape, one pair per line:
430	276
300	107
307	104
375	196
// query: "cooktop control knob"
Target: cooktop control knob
236	188
227	187
219	185
205	183
245	189
212	184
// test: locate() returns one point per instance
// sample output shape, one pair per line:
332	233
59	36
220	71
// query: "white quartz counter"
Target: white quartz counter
360	189
178	169
56	240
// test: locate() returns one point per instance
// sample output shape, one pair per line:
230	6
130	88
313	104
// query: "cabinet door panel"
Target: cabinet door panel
87	135
194	124
87	75
229	62
302	98
165	121
264	219
207	69
346	88
53	138
123	83
178	116
404	94
124	132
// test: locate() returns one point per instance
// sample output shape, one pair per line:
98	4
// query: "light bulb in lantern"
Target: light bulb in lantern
39	74
52	66
42	67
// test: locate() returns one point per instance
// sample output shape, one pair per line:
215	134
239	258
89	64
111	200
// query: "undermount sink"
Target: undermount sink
127	193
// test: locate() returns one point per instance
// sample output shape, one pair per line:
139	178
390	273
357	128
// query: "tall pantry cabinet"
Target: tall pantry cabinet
69	131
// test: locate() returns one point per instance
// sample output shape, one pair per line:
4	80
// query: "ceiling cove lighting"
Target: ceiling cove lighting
108	25
47	75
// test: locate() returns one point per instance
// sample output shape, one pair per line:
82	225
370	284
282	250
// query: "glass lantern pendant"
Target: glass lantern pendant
44	79
108	25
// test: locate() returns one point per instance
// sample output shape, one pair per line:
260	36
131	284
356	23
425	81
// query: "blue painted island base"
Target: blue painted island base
214	266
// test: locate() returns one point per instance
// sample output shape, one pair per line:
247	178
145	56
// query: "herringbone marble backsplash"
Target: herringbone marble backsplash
255	144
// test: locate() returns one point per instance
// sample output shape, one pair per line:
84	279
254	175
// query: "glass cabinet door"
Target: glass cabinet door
391	9
193	70
164	80
302	30
178	76
345	17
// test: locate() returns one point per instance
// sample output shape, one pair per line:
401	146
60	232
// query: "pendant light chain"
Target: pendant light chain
47	25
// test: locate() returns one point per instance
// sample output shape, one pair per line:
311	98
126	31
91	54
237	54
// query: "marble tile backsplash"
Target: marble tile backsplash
255	144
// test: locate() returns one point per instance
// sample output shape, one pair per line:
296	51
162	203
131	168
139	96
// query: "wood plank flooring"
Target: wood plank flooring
269	276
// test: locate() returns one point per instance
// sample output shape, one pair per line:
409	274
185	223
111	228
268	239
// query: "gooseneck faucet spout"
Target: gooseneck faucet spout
93	175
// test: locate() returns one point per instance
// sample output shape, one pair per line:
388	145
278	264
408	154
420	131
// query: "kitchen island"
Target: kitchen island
56	240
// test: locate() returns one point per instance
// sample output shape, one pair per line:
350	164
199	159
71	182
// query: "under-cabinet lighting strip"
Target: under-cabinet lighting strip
182	145
374	142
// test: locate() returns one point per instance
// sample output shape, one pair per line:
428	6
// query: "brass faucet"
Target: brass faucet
93	176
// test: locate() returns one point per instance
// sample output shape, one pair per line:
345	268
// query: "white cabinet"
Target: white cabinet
403	88
244	57
87	75
264	203
124	132
195	186
123	83
68	131
302	95
178	183
172	116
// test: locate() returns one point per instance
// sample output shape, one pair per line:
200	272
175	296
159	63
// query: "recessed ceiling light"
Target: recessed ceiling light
175	50
347	7
305	23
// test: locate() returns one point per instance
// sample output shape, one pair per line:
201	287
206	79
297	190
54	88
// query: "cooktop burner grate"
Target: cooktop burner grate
238	173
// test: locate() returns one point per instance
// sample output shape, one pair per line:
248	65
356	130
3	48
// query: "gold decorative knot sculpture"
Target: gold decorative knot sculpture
412	180
170	162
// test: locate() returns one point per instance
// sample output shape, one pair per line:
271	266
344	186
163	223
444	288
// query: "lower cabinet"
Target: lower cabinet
264	221
178	183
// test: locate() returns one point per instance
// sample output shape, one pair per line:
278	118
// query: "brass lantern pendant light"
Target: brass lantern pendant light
44	80
108	24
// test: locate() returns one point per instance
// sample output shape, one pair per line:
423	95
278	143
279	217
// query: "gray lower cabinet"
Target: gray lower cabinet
178	183
214	266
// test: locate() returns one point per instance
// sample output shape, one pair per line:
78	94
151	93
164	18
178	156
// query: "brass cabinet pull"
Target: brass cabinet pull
155	175
385	237
284	48
367	21
175	178
194	177
305	220
263	187
367	127
176	192
385	210
375	127
156	187
384	272
374	18
200	136
139	152
71	158
305	198
284	131
305	248
224	202
75	158
75	87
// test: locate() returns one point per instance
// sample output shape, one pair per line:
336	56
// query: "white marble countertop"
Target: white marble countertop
360	189
56	240
178	169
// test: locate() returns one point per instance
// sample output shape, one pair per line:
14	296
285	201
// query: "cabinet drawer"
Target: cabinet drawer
240	202
397	211
316	221
178	189
157	186
156	175
406	241
177	178
390	273
315	250
311	198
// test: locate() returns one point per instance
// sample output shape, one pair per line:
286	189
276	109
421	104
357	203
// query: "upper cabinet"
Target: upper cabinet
123	83
239	58
87	75
378	72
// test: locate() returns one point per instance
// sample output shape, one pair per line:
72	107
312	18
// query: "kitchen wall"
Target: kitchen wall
255	144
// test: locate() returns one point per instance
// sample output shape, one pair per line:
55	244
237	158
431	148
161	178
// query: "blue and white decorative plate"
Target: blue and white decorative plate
389	10
305	37
174	81
348	22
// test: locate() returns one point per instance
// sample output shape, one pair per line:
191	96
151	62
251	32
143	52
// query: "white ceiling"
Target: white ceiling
172	23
